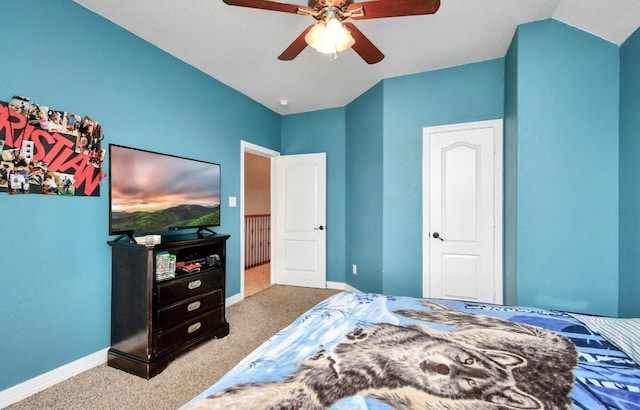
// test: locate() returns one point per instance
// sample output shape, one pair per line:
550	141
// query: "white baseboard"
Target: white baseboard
336	285
341	286
232	300
350	288
32	386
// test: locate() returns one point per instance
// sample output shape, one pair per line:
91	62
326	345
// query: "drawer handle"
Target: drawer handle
194	327
195	284
193	306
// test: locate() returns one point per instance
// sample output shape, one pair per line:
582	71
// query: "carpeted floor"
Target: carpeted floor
252	321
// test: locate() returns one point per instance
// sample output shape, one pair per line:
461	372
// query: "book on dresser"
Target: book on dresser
166	298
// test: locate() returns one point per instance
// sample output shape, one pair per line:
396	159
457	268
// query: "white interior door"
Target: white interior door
300	220
463	212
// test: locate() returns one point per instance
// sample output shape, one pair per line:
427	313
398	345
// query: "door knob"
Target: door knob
437	236
320	228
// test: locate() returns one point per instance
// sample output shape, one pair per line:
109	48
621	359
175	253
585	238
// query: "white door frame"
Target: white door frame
498	200
247	147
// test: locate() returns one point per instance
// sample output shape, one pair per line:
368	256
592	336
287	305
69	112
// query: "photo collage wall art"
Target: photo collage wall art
48	151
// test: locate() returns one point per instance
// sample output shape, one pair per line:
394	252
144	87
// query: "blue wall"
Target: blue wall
466	93
510	171
630	176
324	131
365	168
567	168
57	266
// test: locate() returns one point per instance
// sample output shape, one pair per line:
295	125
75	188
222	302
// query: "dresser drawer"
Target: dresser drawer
189	286
188	309
189	330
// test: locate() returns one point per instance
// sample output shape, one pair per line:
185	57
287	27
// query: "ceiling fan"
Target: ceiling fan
330	35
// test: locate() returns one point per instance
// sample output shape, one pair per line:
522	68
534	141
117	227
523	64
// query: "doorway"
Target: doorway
299	260
255	229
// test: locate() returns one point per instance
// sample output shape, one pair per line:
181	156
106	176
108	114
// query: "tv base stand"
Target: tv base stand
126	235
202	230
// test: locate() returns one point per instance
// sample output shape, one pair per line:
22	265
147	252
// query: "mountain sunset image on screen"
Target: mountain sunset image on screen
153	192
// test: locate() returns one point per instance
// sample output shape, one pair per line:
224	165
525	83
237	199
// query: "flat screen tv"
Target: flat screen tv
150	192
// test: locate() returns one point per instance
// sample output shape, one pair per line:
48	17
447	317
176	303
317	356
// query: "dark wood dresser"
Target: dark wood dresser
157	315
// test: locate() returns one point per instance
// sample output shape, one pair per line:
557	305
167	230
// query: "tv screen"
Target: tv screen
154	192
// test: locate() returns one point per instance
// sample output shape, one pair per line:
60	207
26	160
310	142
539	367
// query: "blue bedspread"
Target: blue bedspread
370	351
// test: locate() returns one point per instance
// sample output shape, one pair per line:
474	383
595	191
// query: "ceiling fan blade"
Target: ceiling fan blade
393	8
296	47
269	5
363	46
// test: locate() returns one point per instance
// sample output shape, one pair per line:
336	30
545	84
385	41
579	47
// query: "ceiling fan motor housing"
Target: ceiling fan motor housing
325	9
318	4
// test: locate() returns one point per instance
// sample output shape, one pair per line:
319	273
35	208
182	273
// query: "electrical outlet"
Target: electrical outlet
354	269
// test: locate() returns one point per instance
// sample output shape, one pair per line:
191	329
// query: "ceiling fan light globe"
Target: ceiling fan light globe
316	35
326	49
349	41
317	38
330	37
334	32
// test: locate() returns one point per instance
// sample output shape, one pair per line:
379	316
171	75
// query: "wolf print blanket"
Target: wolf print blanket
369	351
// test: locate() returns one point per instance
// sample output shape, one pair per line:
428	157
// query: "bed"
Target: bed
370	351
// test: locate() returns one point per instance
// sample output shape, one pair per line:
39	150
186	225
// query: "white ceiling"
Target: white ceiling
239	46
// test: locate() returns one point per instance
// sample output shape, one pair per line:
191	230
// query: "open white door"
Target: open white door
300	220
463	211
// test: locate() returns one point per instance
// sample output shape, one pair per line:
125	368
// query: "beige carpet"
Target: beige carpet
252	321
